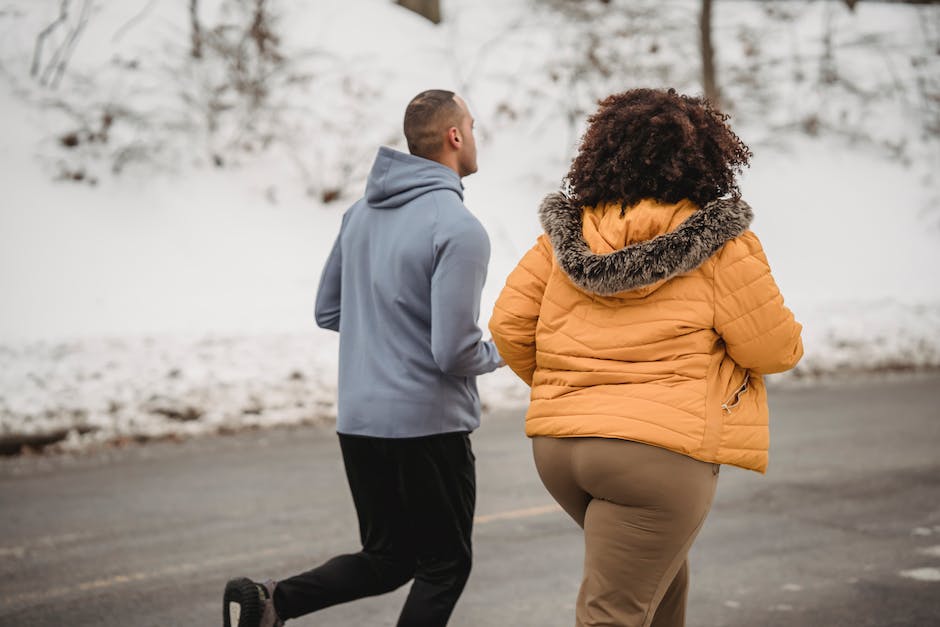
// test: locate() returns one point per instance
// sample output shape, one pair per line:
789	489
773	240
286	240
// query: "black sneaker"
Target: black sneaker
249	604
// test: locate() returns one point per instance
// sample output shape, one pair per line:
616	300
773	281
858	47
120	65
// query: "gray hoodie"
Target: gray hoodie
402	286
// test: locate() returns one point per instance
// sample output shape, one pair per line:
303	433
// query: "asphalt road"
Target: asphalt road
843	531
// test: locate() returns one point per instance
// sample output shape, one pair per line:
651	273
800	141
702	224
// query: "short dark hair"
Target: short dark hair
656	143
428	114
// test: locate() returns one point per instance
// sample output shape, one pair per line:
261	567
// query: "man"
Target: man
402	286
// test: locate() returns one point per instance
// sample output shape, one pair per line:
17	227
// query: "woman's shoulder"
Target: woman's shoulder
744	246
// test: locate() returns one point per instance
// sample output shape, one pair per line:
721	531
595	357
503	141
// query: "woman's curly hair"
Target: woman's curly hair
654	143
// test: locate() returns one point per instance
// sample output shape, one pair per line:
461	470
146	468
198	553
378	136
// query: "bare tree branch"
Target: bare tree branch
41	37
133	21
196	29
64	53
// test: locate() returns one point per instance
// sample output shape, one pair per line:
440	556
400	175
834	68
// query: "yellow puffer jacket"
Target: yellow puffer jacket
654	326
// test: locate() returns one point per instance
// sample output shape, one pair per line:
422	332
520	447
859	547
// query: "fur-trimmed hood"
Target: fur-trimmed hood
645	263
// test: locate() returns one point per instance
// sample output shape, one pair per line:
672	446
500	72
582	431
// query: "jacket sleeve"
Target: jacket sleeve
327	308
461	257
516	313
759	331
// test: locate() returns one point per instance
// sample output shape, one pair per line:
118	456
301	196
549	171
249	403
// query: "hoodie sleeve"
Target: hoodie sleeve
759	331
516	314
327	308
461	257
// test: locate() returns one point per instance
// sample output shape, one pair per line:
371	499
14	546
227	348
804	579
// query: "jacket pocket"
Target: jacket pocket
735	399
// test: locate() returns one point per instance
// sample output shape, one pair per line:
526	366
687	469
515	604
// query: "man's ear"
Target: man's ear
454	139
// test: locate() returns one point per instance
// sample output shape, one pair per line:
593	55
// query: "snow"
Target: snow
922	574
176	298
932	551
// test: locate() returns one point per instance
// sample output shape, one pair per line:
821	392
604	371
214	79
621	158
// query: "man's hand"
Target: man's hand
502	362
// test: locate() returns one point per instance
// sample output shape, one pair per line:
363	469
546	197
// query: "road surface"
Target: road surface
843	531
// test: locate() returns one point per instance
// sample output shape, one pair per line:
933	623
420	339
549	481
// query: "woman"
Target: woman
644	319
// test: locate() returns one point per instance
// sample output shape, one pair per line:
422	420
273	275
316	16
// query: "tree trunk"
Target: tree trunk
709	82
430	9
196	51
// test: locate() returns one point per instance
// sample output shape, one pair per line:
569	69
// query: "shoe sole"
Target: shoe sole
241	604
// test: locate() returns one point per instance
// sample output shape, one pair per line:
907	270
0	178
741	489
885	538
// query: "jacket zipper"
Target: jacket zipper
728	405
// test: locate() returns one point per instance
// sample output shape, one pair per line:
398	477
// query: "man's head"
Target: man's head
439	127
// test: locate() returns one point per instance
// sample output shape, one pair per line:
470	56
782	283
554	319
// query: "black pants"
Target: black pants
415	499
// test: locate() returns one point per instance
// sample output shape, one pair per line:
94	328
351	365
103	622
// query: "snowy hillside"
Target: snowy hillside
157	275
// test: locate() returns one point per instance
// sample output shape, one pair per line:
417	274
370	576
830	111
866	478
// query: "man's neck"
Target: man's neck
450	161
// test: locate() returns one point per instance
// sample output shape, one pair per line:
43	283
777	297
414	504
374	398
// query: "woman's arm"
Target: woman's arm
759	331
516	313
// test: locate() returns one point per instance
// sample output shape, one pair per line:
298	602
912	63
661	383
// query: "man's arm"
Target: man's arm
461	259
328	295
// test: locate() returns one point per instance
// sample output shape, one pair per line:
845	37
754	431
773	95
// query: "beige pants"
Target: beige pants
640	507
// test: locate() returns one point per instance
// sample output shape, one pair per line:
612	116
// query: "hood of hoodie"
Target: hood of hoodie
608	254
398	178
